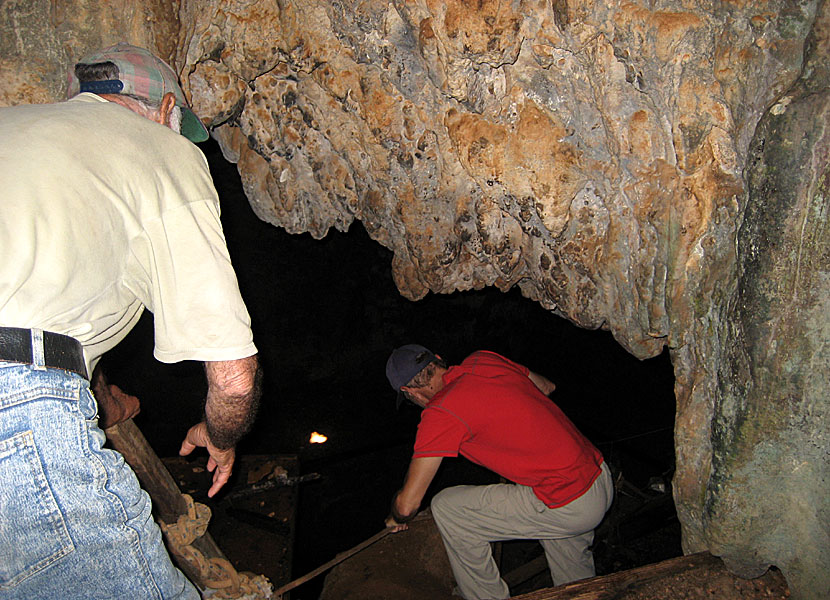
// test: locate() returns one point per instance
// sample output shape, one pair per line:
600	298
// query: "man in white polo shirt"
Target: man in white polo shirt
106	210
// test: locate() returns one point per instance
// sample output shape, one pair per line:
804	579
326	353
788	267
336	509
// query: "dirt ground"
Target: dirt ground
413	566
410	565
256	531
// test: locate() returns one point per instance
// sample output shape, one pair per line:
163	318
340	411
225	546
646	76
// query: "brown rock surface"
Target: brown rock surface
594	154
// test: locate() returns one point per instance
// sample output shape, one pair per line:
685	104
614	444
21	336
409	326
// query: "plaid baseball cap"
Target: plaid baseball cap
141	74
405	363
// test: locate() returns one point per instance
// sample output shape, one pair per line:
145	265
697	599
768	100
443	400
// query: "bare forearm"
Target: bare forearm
406	502
401	511
234	389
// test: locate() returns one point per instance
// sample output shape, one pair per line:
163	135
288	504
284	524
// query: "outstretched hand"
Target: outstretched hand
220	462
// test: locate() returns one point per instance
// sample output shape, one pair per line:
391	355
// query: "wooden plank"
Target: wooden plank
155	479
607	587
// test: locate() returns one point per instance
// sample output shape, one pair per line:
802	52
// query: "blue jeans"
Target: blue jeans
74	522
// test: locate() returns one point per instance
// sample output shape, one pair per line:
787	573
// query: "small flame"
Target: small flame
317	438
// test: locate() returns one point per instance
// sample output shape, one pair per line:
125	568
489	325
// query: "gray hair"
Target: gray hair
174	121
108	70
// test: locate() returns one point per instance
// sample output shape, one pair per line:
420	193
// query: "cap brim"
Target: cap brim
192	127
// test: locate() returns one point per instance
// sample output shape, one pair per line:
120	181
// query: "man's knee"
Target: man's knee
447	501
438	504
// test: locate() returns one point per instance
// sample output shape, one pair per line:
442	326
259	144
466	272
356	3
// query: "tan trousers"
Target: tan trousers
470	517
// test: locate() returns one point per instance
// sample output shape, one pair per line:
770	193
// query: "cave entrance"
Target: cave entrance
326	314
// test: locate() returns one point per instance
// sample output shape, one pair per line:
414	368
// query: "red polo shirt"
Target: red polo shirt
490	412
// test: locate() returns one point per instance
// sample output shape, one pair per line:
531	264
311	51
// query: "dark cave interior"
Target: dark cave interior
325	316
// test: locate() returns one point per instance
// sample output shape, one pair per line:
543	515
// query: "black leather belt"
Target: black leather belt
59	351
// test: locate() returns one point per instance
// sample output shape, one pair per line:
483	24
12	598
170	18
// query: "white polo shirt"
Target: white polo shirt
103	213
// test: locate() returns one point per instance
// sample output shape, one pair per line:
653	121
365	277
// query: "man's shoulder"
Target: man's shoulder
483	361
114	120
484	355
461	386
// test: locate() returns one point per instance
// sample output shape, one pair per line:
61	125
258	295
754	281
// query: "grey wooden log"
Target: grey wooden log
609	587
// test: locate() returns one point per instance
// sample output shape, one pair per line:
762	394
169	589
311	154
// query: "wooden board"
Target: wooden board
687	577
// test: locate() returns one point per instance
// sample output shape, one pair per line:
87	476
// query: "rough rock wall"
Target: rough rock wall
771	427
592	153
40	39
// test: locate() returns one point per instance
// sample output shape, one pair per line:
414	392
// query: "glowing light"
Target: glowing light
317	438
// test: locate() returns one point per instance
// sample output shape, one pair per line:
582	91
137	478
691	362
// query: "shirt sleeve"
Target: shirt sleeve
198	310
440	433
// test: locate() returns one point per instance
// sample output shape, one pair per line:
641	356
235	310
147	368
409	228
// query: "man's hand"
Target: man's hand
220	462
406	502
114	405
391	522
234	388
231	404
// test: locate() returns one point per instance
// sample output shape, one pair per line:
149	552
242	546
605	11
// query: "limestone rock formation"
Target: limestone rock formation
605	157
770	428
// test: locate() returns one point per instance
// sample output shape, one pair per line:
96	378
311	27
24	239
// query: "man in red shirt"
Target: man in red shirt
497	414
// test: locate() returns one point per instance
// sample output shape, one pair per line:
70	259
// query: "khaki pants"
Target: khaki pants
470	517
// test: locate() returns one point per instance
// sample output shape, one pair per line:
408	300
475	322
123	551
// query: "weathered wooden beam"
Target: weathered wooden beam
610	586
615	585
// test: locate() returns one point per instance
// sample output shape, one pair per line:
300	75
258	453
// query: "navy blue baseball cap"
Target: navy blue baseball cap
405	363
